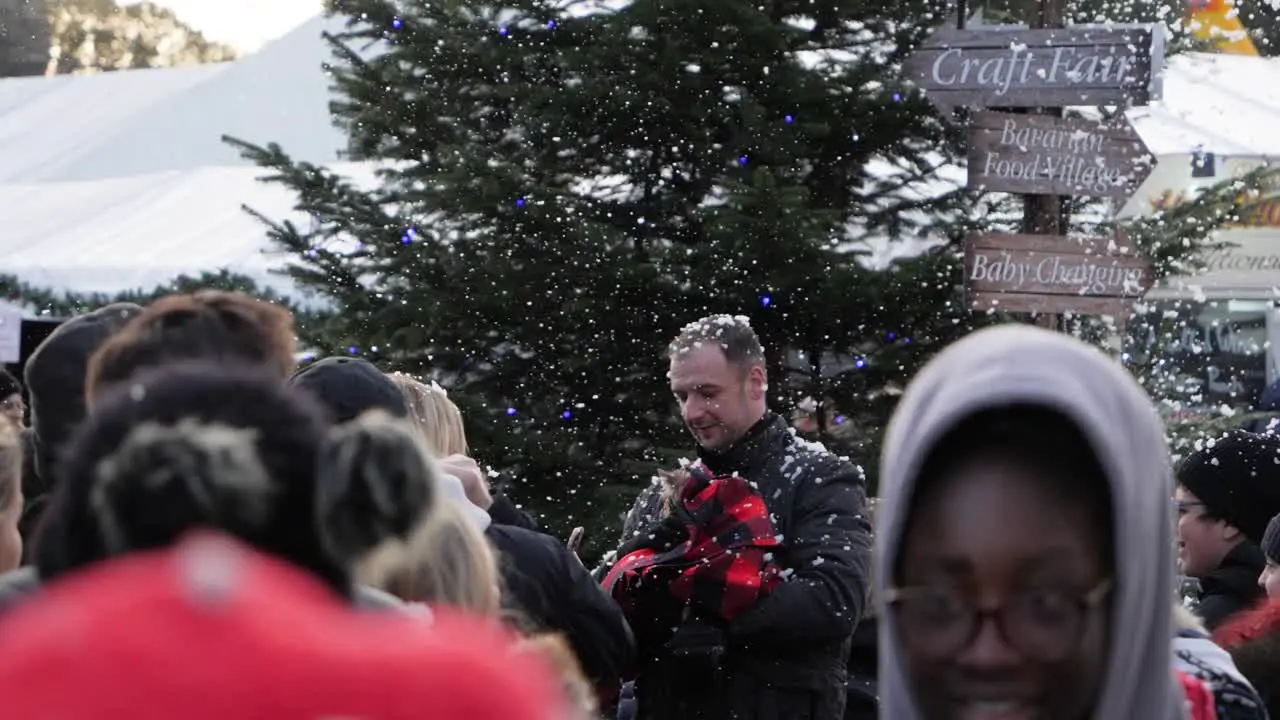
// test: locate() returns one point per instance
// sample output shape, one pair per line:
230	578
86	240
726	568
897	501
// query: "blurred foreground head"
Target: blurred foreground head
1024	540
213	325
211	630
231	448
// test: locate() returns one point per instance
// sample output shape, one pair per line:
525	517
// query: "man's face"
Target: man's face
719	401
1202	542
13	408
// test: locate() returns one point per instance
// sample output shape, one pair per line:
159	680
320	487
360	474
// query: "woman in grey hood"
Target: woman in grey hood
1024	549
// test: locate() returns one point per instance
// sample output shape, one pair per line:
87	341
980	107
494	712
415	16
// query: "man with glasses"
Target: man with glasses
1227	492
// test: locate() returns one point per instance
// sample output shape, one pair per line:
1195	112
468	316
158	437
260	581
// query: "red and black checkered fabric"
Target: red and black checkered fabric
723	567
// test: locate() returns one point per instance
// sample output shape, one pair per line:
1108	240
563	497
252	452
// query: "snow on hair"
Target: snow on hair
190	472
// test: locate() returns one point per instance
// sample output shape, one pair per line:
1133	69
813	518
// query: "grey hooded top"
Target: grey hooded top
1017	364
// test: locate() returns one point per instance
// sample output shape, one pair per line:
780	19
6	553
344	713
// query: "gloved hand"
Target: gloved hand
661	536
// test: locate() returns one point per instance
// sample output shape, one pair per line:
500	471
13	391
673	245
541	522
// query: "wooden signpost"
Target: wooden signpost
1013	67
1053	274
1050	155
1033	150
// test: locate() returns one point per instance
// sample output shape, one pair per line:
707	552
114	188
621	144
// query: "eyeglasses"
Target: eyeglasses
1181	507
1042	624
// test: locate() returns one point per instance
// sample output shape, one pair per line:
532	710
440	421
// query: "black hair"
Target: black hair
228	448
1032	436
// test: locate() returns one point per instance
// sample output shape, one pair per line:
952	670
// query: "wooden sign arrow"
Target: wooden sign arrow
1020	67
1045	155
1052	274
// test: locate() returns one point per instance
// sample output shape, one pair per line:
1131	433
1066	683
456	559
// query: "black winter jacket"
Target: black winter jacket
786	657
1232	586
549	587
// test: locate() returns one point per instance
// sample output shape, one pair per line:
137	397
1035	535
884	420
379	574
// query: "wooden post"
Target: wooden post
1045	214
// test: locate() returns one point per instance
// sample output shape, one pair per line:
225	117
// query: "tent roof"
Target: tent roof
142	232
106	125
1224	104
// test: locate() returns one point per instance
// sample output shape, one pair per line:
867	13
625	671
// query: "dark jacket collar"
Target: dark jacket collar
1238	572
750	451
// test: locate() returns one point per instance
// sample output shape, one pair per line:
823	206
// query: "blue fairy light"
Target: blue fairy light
551	24
897	97
502	31
566	414
742	160
839	419
409	236
511	411
353	350
519	202
396	23
859	363
892	335
766	300
788	119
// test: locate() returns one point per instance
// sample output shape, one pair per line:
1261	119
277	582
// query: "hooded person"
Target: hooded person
55	380
1024	545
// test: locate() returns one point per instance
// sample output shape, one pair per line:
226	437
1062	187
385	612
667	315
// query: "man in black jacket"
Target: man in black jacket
786	656
1227	492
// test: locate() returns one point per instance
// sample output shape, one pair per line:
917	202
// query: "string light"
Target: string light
788	119
353	350
766	300
519	202
511	412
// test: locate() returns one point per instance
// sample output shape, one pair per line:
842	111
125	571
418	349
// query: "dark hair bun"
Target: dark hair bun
201	474
376	482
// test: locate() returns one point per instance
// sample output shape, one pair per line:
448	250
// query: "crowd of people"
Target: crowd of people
192	525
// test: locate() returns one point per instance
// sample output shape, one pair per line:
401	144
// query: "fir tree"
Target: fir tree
567	186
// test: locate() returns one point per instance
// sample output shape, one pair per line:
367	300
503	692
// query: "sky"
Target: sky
243	24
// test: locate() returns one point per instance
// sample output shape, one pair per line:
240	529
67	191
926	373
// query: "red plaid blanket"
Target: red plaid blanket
723	567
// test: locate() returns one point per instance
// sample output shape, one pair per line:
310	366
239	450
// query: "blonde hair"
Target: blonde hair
446	561
555	650
11	452
435	415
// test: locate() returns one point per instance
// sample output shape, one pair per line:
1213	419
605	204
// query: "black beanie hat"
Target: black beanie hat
1237	477
349	387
